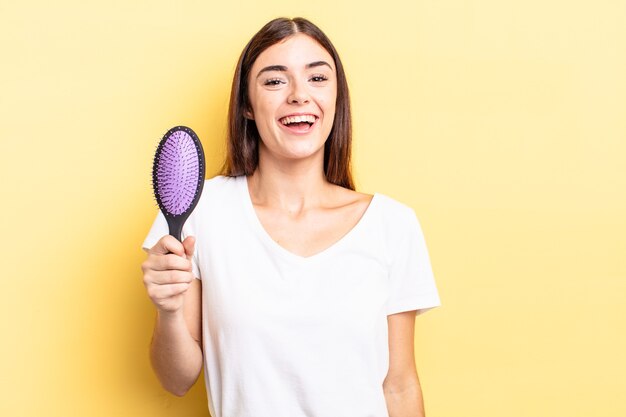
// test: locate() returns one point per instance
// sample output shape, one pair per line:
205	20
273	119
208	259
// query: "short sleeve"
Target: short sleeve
158	230
411	276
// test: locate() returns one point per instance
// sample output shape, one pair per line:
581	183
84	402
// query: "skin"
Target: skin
176	348
298	208
296	205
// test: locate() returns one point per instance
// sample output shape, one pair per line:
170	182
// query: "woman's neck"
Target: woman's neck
293	186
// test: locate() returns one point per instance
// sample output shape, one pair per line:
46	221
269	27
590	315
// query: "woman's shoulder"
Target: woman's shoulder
396	216
219	188
390	207
221	184
344	197
393	205
221	180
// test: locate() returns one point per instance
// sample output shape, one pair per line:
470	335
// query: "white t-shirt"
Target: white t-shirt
292	336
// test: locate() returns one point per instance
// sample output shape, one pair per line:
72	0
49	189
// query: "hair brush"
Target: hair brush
178	176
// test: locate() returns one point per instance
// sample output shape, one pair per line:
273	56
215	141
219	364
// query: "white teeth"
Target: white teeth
309	118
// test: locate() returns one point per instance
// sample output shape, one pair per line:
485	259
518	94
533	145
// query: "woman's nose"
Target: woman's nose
298	94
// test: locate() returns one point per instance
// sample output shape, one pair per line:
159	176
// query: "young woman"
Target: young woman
296	294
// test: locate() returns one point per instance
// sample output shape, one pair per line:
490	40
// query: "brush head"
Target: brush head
178	174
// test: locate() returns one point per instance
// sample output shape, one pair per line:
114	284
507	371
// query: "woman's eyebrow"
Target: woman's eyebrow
272	68
318	64
283	68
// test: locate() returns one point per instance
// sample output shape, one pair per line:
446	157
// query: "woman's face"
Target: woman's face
293	91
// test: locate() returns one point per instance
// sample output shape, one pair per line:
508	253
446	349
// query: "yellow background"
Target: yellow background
503	124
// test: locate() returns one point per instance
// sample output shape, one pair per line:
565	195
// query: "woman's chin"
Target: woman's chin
296	152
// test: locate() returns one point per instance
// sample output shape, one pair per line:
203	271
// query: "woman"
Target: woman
295	293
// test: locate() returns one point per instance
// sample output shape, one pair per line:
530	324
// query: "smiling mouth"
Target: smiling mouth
299	123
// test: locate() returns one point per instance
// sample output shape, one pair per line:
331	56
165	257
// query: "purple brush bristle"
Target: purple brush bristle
177	172
178	175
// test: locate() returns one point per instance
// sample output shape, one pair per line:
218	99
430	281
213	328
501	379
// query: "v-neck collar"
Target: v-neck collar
280	250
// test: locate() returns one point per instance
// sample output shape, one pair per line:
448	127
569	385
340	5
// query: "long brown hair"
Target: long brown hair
242	148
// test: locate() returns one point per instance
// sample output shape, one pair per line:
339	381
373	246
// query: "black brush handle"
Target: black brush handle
176	225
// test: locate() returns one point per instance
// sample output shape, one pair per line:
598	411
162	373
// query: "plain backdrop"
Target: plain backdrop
502	123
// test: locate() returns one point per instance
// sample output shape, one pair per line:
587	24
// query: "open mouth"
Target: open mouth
301	123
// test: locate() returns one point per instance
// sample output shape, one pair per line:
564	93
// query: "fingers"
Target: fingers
160	293
166	263
189	244
168	244
168	253
167	277
167	273
165	288
168	298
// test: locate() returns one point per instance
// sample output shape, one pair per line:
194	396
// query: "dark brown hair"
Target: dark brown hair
242	147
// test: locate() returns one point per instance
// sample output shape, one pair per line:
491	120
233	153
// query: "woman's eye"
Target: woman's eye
273	82
319	78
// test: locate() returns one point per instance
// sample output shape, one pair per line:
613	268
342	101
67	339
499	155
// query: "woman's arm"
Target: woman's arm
403	393
176	349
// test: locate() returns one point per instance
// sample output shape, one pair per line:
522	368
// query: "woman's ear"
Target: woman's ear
248	114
